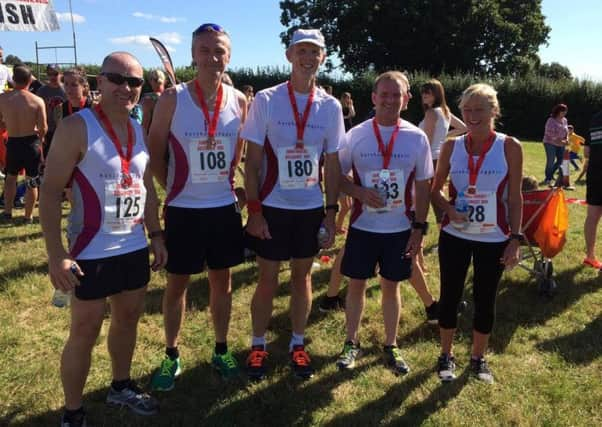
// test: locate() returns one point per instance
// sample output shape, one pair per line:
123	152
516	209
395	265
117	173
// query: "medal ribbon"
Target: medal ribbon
211	121
473	170
125	159
82	102
300	122
386	152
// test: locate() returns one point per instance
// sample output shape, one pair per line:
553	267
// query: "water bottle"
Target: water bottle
323	235
461	205
61	299
382	192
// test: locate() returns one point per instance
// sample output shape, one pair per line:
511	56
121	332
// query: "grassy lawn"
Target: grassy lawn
545	354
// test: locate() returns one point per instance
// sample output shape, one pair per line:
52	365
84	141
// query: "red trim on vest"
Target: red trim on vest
408	194
181	168
357	208
271	175
92	214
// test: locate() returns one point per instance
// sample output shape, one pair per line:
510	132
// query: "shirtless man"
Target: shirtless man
24	116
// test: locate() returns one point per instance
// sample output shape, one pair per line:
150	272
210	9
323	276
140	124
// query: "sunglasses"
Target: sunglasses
208	27
120	79
52	74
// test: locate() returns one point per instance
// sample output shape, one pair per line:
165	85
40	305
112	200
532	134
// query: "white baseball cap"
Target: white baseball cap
308	36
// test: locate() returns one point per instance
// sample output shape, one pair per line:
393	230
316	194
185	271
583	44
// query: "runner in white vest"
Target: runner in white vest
388	157
290	126
482	222
103	153
195	126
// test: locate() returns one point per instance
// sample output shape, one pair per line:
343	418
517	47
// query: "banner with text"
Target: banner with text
28	15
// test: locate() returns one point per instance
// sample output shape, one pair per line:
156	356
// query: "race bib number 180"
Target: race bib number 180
124	207
298	168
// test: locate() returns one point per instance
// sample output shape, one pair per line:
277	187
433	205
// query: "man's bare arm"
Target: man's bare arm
159	133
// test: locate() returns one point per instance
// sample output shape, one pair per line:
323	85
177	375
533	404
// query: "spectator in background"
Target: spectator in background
436	123
77	90
348	110
593	151
5	75
248	91
156	78
554	140
53	95
575	144
23	115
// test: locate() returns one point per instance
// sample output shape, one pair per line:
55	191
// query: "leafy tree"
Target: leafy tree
12	60
555	71
477	36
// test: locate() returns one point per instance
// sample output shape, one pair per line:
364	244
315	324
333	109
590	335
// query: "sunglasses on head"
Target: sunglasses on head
208	27
120	79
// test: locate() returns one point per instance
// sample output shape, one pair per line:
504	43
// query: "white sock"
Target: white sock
296	339
258	341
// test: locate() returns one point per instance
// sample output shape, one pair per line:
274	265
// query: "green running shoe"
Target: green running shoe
394	361
225	364
164	378
348	356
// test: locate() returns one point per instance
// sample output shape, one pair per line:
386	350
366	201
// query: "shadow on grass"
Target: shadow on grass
7	240
579	347
19	271
518	304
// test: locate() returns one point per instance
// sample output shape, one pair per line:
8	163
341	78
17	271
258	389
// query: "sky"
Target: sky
103	26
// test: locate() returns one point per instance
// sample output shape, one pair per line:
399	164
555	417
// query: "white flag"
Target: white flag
28	15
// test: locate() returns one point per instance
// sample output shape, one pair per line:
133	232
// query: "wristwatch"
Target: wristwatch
334	207
517	236
423	226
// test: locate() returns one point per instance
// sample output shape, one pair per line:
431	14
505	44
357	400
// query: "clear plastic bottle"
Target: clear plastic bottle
461	205
323	235
61	299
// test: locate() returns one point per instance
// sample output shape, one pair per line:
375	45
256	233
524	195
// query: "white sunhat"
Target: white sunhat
308	36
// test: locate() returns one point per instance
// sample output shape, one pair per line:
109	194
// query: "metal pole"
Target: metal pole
73	30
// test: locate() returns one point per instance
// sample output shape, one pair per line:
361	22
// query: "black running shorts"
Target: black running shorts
294	234
195	237
364	250
104	277
23	152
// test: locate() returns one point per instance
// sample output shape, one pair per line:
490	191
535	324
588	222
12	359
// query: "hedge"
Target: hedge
525	102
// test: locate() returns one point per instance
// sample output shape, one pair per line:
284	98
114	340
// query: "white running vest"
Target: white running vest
488	208
106	218
198	176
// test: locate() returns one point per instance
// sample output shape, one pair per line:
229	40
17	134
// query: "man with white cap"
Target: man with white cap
289	127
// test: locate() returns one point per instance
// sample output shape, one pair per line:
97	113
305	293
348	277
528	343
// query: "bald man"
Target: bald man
114	199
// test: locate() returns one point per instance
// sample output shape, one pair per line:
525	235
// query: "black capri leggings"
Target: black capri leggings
454	258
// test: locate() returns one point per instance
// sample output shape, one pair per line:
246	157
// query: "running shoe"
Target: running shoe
432	313
351	352
134	398
256	363
225	364
446	365
328	304
77	420
480	370
164	378
301	363
394	361
592	262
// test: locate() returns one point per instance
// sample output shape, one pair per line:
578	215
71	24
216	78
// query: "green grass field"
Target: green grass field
546	355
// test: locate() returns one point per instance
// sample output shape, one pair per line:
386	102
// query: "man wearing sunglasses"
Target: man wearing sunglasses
102	152
53	95
290	127
196	127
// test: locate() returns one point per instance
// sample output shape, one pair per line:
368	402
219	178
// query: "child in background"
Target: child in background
575	144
